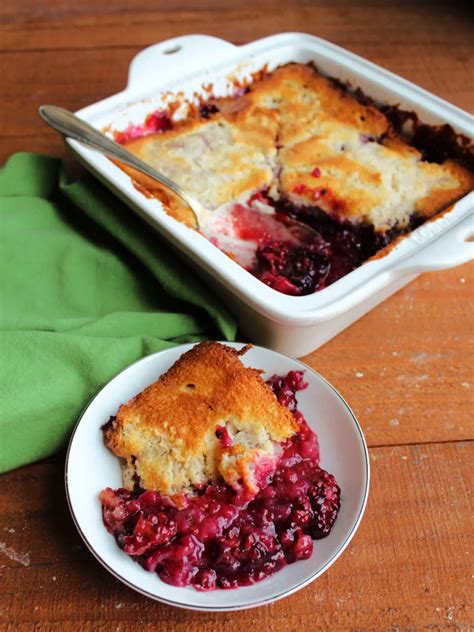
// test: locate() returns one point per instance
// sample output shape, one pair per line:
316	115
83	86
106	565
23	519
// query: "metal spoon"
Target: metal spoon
72	126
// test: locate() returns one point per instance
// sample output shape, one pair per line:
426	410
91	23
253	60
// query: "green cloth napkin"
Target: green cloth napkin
86	288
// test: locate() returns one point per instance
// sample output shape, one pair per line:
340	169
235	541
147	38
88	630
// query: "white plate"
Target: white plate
90	467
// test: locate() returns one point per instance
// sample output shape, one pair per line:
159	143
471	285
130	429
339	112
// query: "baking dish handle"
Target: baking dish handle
451	249
175	57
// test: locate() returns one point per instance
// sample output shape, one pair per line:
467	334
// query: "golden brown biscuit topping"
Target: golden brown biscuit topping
171	434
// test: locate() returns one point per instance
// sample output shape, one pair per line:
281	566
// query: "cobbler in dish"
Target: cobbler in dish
232	498
313	148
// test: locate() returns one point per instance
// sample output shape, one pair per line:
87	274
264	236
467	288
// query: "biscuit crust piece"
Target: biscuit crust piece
207	417
290	123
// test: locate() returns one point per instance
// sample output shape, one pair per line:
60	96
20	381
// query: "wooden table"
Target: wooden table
406	368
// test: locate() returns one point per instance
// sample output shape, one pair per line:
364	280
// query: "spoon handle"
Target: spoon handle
72	126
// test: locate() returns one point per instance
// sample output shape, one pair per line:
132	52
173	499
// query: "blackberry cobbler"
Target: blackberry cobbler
309	147
231	530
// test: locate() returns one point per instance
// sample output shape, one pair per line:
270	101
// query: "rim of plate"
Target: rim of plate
261	602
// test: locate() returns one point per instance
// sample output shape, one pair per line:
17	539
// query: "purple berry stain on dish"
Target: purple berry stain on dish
222	538
155	123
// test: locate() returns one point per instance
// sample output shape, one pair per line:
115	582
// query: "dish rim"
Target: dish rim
265	601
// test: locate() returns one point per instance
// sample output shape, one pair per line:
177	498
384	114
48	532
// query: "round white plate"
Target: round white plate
90	467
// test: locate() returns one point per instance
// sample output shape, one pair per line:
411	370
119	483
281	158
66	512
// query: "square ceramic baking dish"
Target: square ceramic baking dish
294	325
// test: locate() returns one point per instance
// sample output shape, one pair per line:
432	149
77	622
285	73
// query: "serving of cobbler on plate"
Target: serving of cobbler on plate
295	143
222	485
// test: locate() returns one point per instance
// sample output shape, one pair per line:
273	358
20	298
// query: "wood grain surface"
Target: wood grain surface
406	368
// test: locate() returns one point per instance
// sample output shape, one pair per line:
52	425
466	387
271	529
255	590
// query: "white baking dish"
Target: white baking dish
290	324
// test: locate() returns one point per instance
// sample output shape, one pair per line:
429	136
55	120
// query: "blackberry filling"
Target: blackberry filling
304	269
207	110
291	269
